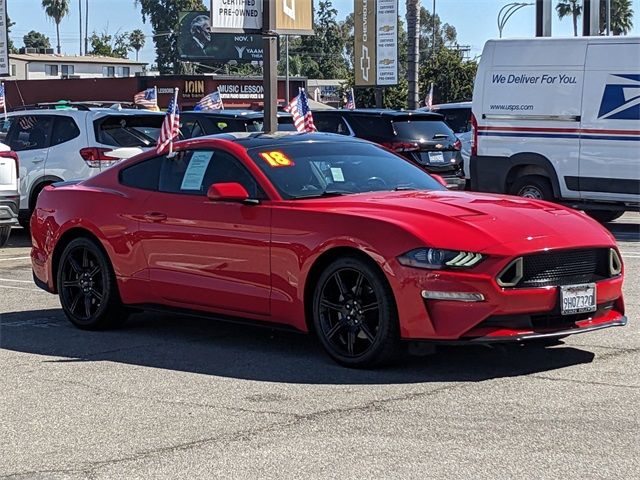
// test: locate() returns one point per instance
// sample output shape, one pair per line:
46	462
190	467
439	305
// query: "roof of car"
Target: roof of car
260	139
445	106
252	114
382	112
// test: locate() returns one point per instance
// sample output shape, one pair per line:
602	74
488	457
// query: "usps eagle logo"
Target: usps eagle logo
621	98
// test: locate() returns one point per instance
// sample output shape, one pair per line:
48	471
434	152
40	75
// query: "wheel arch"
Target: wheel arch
532	164
38	186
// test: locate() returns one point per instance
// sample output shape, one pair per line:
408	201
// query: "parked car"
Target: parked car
458	117
421	137
59	142
212	122
558	119
322	233
9	192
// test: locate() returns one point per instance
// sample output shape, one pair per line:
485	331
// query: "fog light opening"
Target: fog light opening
454	296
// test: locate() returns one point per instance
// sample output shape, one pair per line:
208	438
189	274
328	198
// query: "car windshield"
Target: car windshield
130	130
425	130
285	124
307	170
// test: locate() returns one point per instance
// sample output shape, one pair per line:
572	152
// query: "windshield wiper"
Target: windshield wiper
327	193
402	188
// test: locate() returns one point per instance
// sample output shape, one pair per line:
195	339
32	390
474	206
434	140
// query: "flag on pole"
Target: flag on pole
428	101
147	98
3	100
351	100
302	116
213	101
171	125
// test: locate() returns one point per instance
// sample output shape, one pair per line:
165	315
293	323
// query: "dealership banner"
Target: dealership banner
376	42
294	17
195	45
4	40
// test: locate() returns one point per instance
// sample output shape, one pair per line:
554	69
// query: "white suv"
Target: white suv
68	142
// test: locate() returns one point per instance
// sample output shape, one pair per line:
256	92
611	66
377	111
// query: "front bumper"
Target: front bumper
9	211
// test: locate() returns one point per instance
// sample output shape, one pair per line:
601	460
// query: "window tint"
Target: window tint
5	125
191	129
31	132
64	129
459	119
330	124
422	129
371	126
129	130
144	175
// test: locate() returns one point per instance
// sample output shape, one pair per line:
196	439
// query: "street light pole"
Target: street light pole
507	11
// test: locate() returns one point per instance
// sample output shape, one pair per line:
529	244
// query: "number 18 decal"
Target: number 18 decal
277	159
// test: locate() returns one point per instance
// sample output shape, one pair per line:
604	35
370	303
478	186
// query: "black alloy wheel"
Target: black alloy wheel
87	287
355	315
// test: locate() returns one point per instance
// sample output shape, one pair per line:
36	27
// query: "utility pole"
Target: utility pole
270	66
608	17
80	14
413	30
433	33
86	27
287	94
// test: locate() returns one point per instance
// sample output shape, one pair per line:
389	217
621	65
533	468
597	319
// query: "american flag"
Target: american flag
171	125
3	100
213	101
147	98
428	100
302	116
351	101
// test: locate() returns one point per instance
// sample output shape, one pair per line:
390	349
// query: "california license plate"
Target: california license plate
436	157
578	299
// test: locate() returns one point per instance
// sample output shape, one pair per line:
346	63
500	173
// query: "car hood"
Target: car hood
473	221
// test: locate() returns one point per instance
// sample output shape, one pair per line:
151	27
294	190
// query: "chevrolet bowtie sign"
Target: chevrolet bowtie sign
376	42
293	17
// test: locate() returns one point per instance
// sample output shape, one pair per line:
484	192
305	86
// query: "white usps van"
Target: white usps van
559	119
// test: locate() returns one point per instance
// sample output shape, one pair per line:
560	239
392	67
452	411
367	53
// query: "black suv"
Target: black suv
421	137
211	122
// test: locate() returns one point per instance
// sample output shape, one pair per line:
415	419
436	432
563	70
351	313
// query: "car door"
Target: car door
30	136
206	254
64	160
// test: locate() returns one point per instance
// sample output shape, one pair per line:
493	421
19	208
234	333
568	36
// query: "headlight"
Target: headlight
434	258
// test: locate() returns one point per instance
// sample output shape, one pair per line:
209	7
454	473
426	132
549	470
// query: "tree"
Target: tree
56	10
137	40
106	45
621	17
35	39
571	8
451	75
163	15
10	45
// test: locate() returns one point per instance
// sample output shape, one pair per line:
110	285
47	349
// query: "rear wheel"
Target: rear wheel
87	287
5	232
536	187
354	314
604	216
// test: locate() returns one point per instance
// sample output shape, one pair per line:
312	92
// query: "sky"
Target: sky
475	21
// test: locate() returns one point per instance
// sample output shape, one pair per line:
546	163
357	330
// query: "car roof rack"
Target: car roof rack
84	105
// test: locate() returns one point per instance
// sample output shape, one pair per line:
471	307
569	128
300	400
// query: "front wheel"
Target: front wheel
604	216
355	315
87	287
5	232
536	187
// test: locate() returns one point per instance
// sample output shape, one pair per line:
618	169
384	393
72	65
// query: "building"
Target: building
326	91
29	65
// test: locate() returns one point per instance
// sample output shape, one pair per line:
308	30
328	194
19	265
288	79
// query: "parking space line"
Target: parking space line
13	258
15	281
11	287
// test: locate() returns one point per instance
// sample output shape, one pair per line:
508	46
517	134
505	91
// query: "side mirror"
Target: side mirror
439	179
227	192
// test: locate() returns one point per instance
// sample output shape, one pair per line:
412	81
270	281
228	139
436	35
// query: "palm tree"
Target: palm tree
570	7
57	10
137	40
621	17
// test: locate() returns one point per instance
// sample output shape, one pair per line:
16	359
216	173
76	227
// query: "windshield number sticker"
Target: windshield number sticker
277	159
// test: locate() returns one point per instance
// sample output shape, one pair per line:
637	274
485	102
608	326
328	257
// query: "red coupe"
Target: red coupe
322	233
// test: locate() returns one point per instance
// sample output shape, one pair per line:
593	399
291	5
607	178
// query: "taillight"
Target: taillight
402	146
97	157
457	145
474	136
14	156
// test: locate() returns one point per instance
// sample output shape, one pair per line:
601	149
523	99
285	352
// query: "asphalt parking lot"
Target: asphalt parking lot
173	397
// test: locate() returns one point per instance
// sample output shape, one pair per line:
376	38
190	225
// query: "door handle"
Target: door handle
37	160
155	216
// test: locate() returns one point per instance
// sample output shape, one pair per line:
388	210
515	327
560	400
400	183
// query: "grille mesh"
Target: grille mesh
564	267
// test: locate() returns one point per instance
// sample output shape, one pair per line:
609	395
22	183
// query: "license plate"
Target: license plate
436	157
578	299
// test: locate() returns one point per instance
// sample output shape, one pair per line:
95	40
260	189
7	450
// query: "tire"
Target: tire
355	315
604	216
533	186
5	233
87	287
24	220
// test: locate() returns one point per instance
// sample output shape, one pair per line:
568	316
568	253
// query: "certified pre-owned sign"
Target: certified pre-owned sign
245	16
376	42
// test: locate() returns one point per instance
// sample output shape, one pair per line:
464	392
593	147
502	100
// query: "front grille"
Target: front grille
565	267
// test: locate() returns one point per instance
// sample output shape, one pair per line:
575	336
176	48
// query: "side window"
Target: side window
144	175
371	126
192	129
32	132
5	125
193	172
64	129
326	123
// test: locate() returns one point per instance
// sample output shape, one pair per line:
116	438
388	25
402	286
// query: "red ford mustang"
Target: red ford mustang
322	233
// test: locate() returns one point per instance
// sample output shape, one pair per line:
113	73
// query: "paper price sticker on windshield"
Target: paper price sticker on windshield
277	159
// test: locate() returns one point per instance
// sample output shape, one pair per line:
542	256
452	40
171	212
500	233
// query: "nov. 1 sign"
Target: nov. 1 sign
245	16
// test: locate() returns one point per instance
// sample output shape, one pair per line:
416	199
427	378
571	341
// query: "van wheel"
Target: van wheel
604	216
533	186
5	231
